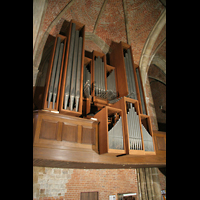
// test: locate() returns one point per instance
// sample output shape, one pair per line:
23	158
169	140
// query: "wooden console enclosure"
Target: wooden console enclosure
52	130
72	142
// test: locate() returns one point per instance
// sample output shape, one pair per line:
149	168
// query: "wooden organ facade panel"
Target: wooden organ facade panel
160	141
64	131
88	135
112	93
69	132
48	129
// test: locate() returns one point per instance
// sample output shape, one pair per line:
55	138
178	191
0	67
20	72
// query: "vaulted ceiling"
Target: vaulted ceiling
130	21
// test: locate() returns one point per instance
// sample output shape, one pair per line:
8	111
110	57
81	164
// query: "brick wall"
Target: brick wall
141	15
60	183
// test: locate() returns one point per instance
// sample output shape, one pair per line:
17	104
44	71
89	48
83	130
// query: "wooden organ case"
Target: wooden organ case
94	114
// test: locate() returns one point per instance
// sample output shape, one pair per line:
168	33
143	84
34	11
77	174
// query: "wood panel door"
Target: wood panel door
89	196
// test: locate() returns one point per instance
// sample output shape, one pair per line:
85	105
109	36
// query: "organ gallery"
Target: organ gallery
92	113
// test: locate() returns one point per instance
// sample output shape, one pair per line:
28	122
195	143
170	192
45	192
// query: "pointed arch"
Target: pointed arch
146	52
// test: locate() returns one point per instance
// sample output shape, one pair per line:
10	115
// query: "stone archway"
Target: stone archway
147	50
147	56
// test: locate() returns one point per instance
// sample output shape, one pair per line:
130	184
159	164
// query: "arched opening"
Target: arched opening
157	81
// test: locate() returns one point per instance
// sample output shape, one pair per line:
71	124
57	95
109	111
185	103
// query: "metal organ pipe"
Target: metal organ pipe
148	141
132	74
115	135
55	89
86	82
54	71
73	81
78	77
128	75
69	66
135	139
99	77
72	84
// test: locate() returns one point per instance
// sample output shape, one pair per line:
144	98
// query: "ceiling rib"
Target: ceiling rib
40	46
99	15
126	22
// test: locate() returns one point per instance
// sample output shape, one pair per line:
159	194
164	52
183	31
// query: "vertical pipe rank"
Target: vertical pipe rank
132	73
78	77
73	81
54	70
55	89
69	66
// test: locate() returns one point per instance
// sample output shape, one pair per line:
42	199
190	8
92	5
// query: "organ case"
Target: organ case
126	107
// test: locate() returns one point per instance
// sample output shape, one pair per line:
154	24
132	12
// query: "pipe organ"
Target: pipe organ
87	86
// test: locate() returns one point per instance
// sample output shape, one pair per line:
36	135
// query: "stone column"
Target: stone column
138	183
151	183
38	10
143	184
148	184
156	183
148	180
